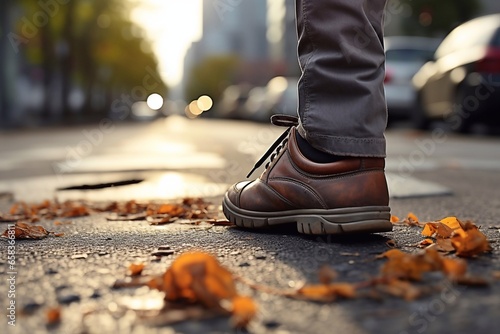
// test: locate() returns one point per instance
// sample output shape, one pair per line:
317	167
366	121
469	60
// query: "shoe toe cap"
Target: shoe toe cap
235	191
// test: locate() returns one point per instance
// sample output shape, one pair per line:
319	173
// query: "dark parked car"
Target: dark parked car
462	84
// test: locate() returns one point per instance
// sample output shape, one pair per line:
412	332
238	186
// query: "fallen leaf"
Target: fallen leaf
53	316
412	219
325	292
437	229
444	245
198	278
25	231
395	219
470	241
454	268
243	310
452	222
426	242
401	289
409	266
135	269
58	223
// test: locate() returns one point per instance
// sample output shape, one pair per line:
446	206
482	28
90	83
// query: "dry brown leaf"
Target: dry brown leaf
135	269
58	223
53	316
173	210
243	310
393	253
412	219
408	266
470	241
325	292
452	222
25	231
454	268
395	219
401	289
444	245
197	277
75	211
426	242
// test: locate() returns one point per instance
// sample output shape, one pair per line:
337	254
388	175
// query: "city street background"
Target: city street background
178	157
169	99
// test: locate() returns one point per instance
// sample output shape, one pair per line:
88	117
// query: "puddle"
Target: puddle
138	186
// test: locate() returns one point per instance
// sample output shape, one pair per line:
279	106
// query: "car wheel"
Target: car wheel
419	118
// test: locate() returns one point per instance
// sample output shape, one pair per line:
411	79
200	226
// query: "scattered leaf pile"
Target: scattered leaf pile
188	210
450	235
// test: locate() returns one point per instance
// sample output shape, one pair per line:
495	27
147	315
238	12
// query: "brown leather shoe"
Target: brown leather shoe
349	196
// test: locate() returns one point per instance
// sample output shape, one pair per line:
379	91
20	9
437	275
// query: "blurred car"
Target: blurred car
279	96
405	55
462	83
232	102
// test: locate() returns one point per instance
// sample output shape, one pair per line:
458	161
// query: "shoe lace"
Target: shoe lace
275	148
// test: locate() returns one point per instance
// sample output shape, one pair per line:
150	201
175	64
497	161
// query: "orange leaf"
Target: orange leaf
408	266
427	242
25	231
451	222
412	218
53	316
198	277
394	219
454	268
402	289
243	311
326	292
393	253
171	209
429	230
437	229
470	242
445	245
135	269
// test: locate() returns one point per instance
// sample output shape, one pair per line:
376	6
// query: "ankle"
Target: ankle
314	154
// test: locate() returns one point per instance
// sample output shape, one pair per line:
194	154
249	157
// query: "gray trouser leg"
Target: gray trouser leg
342	105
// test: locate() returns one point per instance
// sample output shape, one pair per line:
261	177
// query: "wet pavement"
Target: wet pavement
432	176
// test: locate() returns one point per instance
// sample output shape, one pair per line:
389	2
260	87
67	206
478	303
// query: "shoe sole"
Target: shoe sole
367	219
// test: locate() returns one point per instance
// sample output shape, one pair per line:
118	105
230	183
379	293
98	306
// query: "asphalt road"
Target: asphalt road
433	175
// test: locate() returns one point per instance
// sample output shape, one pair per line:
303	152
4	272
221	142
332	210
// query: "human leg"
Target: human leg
342	112
341	95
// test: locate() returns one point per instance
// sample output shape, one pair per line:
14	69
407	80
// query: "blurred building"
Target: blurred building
233	27
282	36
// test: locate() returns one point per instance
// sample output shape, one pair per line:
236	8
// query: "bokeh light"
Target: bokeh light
155	101
205	103
194	109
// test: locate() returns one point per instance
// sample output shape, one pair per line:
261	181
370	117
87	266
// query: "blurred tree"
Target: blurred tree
89	46
211	76
438	17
